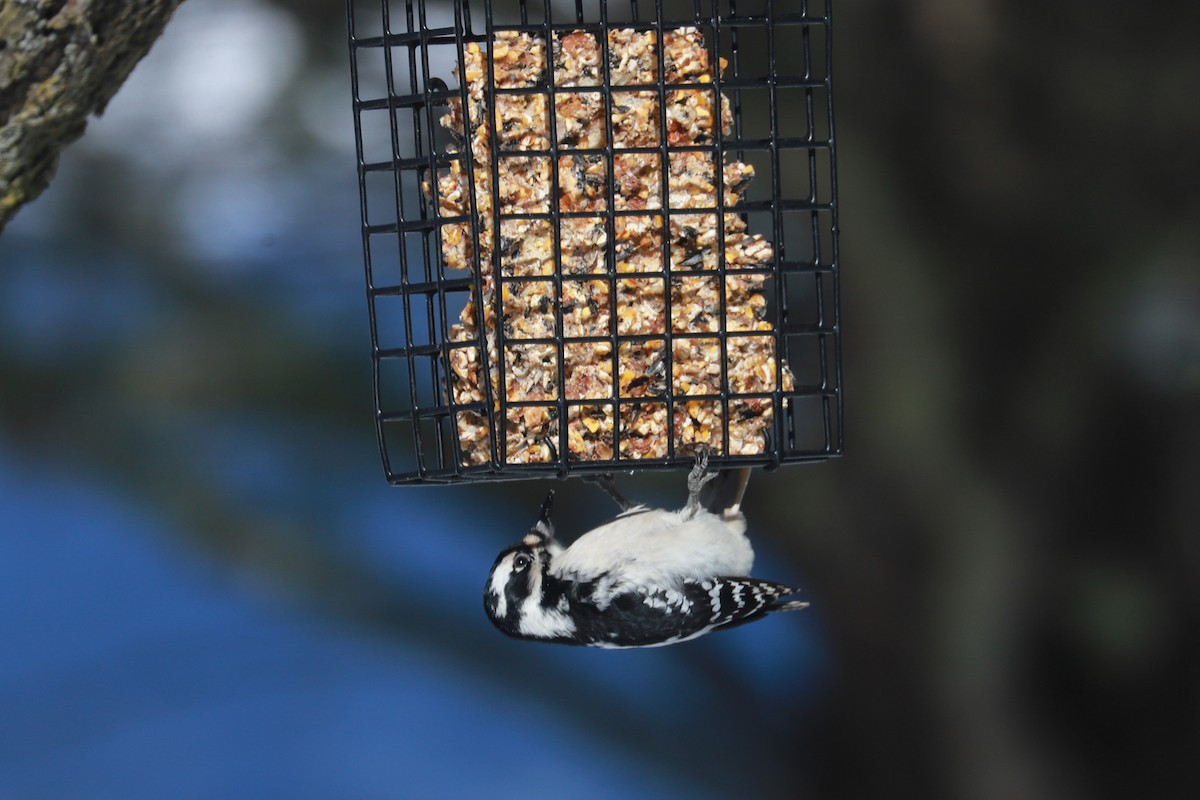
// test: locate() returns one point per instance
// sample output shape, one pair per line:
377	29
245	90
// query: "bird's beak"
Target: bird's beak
544	529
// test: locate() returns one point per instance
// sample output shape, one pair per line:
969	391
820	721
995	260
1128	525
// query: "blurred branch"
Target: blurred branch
59	63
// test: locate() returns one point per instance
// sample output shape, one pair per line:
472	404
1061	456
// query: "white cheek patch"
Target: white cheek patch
497	583
538	621
544	623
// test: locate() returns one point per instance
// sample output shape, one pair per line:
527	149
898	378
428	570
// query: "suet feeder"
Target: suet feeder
598	236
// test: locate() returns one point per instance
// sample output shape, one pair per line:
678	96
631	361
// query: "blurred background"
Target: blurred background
207	589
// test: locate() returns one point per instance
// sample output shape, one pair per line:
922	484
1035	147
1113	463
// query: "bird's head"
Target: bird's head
516	583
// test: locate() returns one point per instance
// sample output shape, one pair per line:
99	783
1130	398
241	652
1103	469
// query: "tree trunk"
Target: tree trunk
61	60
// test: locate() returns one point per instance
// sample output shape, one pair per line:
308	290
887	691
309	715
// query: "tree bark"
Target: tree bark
60	61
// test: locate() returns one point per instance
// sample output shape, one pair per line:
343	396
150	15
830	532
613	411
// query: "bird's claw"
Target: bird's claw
698	478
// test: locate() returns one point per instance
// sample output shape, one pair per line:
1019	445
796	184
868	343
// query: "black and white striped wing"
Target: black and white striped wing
666	616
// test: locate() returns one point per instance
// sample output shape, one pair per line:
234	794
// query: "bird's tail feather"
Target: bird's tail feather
723	495
791	605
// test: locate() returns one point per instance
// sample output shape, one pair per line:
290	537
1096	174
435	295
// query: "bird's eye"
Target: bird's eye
521	561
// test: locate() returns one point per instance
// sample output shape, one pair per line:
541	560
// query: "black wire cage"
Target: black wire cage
598	236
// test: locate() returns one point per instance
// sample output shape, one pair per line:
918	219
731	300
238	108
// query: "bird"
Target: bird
648	578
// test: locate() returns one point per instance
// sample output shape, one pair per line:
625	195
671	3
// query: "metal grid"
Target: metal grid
778	84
